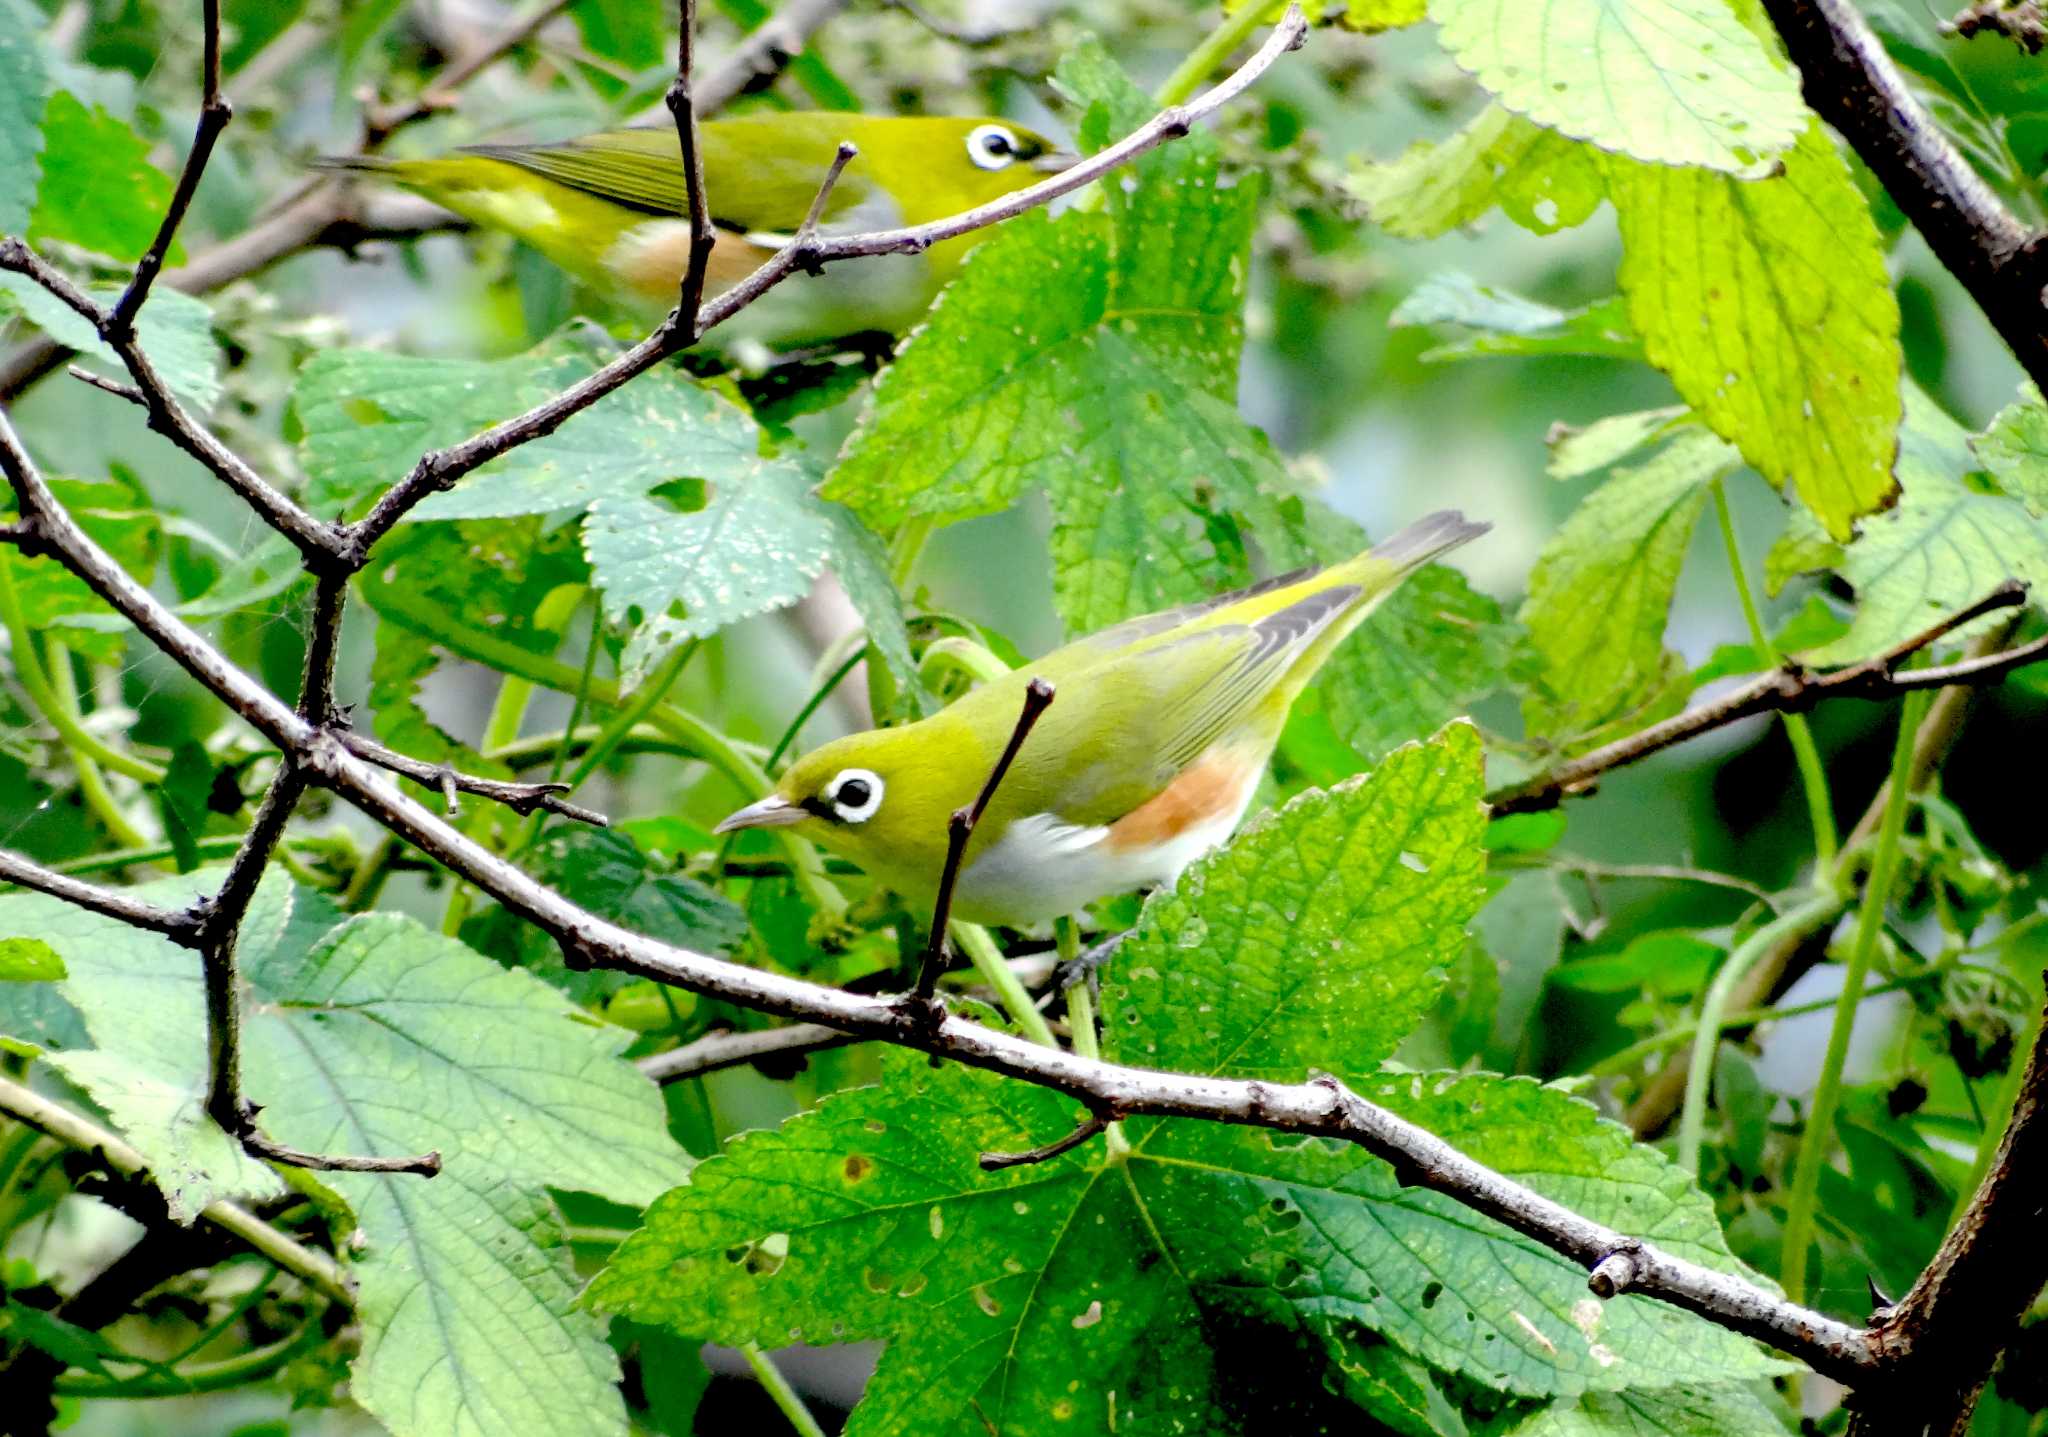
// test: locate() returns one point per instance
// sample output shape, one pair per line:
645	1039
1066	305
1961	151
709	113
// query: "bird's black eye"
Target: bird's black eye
992	147
854	794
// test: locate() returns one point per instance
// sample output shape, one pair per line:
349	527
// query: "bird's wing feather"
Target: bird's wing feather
642	170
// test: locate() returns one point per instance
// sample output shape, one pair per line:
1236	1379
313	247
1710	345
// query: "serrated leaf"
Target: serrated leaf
380	1036
1575	453
671	576
1600	593
1672	82
1256	963
1717	1411
174	329
1507	324
2015	449
29	960
1769	305
1541	180
24	83
1949	542
89	155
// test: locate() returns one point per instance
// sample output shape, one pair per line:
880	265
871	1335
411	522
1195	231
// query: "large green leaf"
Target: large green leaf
24	82
1239	971
376	1035
1950	541
1601	591
1160	1290
1720	1411
1769	305
174	329
1673	82
2015	449
1541	180
55	601
89	157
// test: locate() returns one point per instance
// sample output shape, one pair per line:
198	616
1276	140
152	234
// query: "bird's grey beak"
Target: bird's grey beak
770	812
1053	161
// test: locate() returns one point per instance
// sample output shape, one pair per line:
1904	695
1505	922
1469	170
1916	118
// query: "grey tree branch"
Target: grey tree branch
683	109
715	1051
1853	85
24	873
1791	689
1321	1107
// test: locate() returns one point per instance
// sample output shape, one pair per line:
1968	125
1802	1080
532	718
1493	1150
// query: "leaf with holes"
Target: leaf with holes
1717	1411
375	1035
1672	82
1769	304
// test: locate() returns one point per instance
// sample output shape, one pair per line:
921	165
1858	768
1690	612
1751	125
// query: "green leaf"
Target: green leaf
631	34
24	82
1398	1392
2015	450
29	960
1094	356
1950	541
1507	324
89	156
174	329
1769	305
756	545
1673	82
1319	936
1664	962
380	1036
1577	452
1539	179
182	802
70	1344
1372	16
1601	591
1717	1411
117	515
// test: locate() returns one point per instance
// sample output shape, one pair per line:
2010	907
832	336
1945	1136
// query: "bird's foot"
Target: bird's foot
1084	968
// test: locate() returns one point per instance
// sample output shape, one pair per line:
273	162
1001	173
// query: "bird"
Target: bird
1147	758
611	208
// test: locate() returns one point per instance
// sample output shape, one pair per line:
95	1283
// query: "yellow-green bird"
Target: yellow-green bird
611	208
1147	758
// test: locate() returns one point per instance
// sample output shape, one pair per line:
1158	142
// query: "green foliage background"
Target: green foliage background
1424	262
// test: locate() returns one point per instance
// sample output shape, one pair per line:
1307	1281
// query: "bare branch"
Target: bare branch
214	114
108	386
24	873
1938	1342
521	798
959	829
262	1145
1853	85
1087	1128
714	1051
690	297
2020	21
1792	689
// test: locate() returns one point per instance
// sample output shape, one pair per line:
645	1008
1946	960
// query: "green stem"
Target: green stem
784	1396
82	742
92	784
229	1318
531	750
811	705
907	548
508	712
1082	1031
1215	48
237	1371
1827	1093
582	702
1623	1059
1714	1018
1805	753
988	961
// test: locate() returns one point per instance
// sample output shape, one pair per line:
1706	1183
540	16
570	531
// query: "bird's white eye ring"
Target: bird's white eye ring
855	794
992	147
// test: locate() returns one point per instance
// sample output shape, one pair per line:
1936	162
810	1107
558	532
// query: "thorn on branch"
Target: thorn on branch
1615	1272
1098	1120
259	1144
959	829
521	798
112	386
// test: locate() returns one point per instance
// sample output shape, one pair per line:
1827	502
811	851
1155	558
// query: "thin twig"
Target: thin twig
262	1145
108	386
521	798
178	926
715	1051
214	114
1087	1128
1792	689
690	296
1852	83
959	829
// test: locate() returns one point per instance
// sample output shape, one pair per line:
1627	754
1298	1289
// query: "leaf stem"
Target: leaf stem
92	784
1714	1017
1215	48
987	959
1622	1059
83	743
907	547
508	712
1805	753
1827	1093
785	1397
237	1371
1082	1032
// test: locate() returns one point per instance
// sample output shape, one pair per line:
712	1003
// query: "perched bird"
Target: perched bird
611	208
1146	760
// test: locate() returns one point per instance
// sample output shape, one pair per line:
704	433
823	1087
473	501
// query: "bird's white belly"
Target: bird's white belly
1041	867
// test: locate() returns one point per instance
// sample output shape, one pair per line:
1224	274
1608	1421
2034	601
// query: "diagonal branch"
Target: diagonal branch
1321	1107
177	926
521	798
1792	689
1852	83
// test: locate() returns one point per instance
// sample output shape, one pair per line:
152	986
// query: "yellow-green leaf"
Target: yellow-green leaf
1541	180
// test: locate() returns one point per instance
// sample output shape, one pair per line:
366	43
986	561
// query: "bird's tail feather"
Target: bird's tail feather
1427	538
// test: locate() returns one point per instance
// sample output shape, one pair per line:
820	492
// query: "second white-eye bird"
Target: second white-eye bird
1148	757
